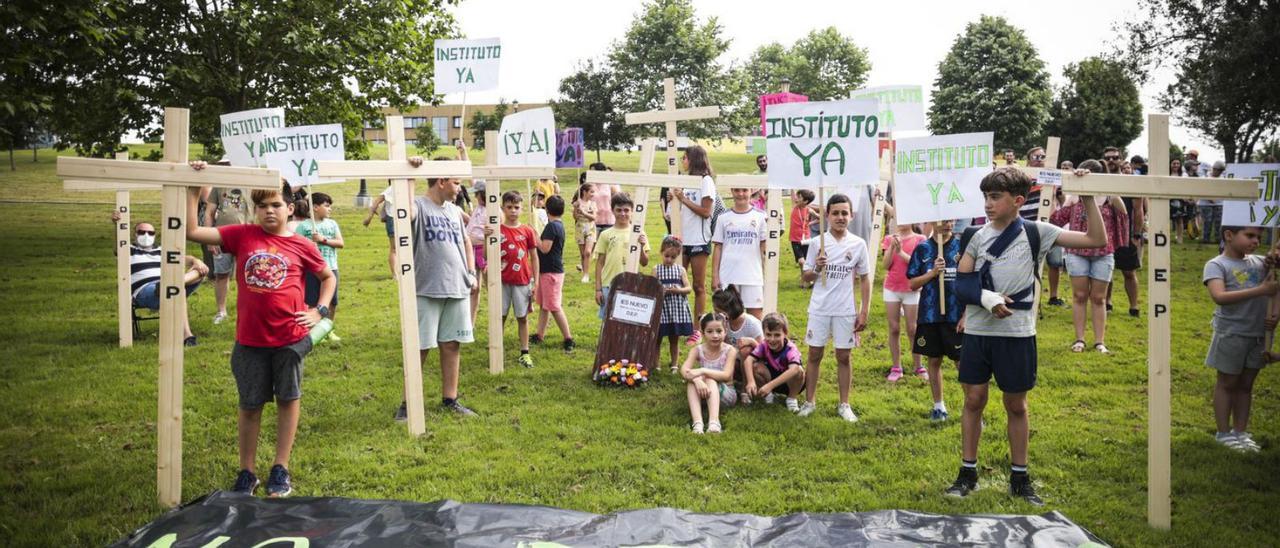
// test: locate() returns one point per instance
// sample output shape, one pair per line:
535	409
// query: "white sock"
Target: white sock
940	406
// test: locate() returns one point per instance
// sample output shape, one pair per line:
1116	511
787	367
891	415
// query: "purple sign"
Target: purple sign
777	98
569	147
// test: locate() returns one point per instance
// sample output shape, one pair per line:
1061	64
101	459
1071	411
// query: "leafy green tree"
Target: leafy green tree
482	122
1269	149
1098	107
824	65
1223	55
992	80
589	102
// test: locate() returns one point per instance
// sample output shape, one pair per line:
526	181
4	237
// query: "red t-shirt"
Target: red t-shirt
269	281
517	243
799	224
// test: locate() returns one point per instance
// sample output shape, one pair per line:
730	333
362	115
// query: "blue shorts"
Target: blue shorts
311	289
391	226
149	295
605	306
1012	360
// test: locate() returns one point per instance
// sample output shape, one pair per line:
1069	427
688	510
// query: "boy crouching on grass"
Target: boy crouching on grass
272	325
1238	283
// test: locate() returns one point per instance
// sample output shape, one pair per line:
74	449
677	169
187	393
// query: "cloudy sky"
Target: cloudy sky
544	40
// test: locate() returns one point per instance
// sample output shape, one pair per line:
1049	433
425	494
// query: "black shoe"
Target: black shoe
569	345
1020	486
402	414
534	339
1054	301
1108	307
966	482
458	408
1133	312
189	341
278	483
246	483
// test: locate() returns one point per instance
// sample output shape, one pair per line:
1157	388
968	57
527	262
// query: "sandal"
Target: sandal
1077	346
1101	348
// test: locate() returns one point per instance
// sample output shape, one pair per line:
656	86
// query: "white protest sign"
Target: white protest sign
633	309
467	65
823	144
296	151
242	134
1265	211
528	138
901	107
937	178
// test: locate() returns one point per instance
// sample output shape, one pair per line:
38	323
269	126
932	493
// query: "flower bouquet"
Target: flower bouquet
621	373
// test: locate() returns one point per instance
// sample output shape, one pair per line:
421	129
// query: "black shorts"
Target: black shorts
311	289
1127	259
695	250
800	250
937	340
1012	360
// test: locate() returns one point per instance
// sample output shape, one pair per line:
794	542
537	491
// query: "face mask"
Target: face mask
146	240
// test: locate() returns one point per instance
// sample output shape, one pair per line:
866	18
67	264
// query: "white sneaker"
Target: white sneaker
744	399
697	428
846	412
586	279
1229	441
807	409
713	427
1246	443
768	398
219	317
793	405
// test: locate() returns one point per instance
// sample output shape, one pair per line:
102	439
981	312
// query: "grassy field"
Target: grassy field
77	437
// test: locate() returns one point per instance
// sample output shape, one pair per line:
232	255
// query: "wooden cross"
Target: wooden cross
1159	188
397	168
173	175
493	176
669	115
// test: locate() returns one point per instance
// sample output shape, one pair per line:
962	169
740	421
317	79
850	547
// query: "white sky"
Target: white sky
544	40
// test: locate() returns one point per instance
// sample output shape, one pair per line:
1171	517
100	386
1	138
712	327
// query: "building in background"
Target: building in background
444	120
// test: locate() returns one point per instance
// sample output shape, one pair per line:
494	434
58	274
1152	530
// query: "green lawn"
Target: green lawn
77	437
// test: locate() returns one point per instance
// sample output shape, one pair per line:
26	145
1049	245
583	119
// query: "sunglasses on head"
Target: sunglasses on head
147	232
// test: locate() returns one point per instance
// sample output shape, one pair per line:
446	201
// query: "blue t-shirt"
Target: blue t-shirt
552	262
921	263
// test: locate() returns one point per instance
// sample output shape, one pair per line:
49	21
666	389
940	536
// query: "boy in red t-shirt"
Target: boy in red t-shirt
519	268
272	323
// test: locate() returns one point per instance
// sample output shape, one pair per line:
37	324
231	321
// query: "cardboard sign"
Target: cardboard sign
631	321
525	139
296	151
242	134
901	107
823	144
569	147
1265	211
937	178
467	65
777	99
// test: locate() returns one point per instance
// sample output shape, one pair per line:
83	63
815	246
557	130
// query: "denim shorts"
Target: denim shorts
149	296
1096	268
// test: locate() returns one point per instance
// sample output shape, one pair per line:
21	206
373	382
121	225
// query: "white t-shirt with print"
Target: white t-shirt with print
697	230
846	258
740	234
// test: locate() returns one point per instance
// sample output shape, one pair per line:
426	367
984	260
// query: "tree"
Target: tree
992	80
589	103
1268	152
1098	107
666	41
824	65
1223	55
481	122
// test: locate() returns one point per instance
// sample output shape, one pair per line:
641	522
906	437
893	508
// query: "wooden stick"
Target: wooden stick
124	293
648	148
669	103
493	255
406	269
942	280
462	131
822	233
311	208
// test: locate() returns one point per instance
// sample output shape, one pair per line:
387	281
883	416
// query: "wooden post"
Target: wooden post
173	310
124	290
493	255
1050	162
1159	383
406	282
648	148
773	249
877	213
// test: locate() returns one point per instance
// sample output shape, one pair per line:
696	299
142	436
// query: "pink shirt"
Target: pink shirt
896	279
1115	222
604	211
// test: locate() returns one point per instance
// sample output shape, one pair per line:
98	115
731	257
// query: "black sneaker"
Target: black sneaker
1020	486
569	345
966	482
1054	301
189	341
246	483
1133	312
458	408
278	484
534	339
1108	307
402	414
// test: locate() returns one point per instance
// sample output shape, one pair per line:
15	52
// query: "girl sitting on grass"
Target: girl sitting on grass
712	380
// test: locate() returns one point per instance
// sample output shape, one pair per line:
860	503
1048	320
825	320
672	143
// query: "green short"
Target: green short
443	320
1231	354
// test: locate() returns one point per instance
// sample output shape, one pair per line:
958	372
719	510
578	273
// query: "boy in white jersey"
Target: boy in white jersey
837	257
738	258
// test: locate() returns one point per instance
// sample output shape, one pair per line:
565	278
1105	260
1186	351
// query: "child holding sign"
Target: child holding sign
712	380
324	231
738	259
900	299
836	257
937	333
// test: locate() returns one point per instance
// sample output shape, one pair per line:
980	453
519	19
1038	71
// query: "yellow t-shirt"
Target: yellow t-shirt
611	252
547	187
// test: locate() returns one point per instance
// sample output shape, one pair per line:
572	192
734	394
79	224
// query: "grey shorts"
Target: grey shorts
264	373
1054	258
443	320
1231	354
224	263
517	296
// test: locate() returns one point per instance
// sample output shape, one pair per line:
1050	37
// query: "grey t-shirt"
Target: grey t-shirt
1243	318
438	250
1010	273
750	328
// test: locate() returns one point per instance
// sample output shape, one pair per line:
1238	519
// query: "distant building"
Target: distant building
444	120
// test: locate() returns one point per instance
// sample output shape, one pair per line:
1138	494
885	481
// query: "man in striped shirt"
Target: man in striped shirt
144	273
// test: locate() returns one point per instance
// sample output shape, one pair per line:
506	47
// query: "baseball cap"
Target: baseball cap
477	186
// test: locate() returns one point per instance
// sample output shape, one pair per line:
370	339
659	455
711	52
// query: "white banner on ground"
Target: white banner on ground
295	151
242	134
467	65
937	178
1265	211
823	144
901	107
528	138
